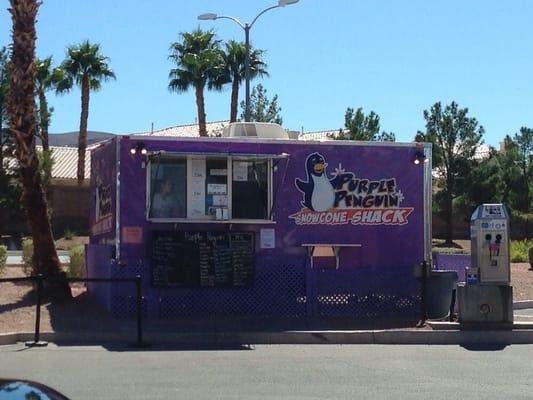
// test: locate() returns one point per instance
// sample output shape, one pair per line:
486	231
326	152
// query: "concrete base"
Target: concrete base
446	333
485	304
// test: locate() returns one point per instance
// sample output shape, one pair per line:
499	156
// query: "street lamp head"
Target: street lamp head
283	3
208	16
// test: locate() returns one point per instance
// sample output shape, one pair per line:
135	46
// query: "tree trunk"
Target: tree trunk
43	114
82	138
234	99
449	210
44	120
21	110
201	109
527	206
1	139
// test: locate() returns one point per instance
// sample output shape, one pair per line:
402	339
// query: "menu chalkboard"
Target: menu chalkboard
202	259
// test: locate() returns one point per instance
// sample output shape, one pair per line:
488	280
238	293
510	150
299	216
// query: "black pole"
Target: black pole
36	341
138	282
38	310
423	295
138	302
247	72
452	305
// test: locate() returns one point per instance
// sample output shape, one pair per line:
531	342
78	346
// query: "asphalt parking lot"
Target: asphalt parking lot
274	372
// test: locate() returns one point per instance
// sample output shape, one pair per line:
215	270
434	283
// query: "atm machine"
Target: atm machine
487	294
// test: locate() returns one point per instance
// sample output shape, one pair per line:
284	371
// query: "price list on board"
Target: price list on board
202	259
242	258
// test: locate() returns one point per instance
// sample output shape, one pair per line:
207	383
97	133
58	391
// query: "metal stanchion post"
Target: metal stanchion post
423	295
36	342
452	305
140	343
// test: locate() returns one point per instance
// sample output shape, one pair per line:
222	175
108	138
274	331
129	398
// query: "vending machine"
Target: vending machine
487	295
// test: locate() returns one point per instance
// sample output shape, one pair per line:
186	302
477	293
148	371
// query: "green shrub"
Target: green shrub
449	250
519	250
68	234
3	258
27	256
77	261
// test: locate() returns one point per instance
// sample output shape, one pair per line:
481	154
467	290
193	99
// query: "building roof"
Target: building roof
65	164
66	158
482	151
319	135
70	139
191	130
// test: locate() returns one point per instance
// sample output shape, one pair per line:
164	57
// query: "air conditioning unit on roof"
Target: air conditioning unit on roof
261	130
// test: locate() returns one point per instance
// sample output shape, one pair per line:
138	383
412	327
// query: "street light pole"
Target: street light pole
246	27
247	72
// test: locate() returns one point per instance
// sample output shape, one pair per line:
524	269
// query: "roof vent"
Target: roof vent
260	130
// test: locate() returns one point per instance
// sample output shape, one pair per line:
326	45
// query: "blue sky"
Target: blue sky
396	57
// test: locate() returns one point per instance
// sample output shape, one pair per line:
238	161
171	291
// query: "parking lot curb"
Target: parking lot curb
522	304
390	337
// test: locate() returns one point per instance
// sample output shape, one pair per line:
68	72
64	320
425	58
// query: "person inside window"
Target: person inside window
164	203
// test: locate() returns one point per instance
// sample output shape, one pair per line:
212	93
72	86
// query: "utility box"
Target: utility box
487	296
489	235
485	304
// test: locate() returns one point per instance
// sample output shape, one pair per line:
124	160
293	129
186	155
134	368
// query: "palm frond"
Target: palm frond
85	60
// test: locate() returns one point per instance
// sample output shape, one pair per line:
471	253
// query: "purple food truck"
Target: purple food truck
261	226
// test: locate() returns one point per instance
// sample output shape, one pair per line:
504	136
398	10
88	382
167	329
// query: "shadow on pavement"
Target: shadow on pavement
484	346
116	347
82	321
28	300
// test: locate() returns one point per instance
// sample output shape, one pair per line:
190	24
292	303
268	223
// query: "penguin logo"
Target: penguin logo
319	194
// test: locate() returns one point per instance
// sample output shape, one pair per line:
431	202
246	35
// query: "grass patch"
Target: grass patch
520	249
449	250
3	258
68	234
27	256
77	262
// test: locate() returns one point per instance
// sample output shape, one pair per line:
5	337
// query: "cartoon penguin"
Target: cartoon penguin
318	191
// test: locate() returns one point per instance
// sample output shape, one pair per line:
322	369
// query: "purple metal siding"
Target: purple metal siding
99	266
453	262
372	280
103	193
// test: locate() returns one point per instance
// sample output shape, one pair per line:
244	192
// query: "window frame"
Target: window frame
229	165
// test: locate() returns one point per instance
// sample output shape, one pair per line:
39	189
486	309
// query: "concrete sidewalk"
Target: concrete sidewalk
522	334
251	331
14	257
82	321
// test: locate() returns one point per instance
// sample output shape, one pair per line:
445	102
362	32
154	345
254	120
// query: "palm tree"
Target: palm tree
46	79
234	59
4	83
21	108
87	68
199	62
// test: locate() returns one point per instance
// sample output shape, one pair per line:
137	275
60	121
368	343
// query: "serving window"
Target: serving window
168	184
250	189
191	188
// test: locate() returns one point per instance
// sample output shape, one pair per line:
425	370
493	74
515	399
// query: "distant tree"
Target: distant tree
261	108
358	126
517	162
21	111
199	63
10	206
86	67
234	59
510	175
455	137
524	148
483	184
